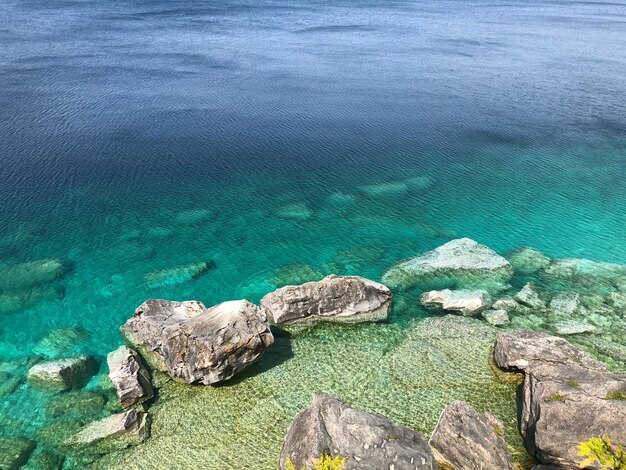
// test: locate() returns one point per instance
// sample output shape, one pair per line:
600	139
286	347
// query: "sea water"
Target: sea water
218	150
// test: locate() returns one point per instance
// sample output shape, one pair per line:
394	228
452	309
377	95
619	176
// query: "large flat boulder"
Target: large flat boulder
129	376
567	398
62	374
466	439
32	273
194	344
460	263
334	298
367	441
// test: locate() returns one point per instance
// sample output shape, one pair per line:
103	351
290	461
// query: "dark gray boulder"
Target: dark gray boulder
129	376
368	441
466	439
194	344
567	398
347	299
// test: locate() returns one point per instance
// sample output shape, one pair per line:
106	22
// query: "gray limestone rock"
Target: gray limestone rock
194	344
129	376
348	299
466	439
367	441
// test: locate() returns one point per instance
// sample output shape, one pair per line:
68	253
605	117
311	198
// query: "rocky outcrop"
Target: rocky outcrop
528	261
129	376
466	439
62	374
334	298
568	397
14	452
112	433
367	441
194	344
459	263
463	301
529	297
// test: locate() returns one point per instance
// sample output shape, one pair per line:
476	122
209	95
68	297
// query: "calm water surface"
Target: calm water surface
141	136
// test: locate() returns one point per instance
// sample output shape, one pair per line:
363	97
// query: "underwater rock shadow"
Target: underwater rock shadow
275	355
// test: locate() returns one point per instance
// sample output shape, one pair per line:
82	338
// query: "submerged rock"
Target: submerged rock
392	189
129	376
112	433
466	439
33	273
59	341
9	383
528	261
79	403
566	398
15	452
45	460
295	211
573	327
194	344
566	303
367	441
496	317
62	374
334	298
178	274
296	273
529	297
459	263
463	301
15	301
193	216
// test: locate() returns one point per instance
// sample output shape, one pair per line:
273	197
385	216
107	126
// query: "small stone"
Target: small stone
62	374
573	327
463	301
508	304
496	317
129	376
529	297
15	452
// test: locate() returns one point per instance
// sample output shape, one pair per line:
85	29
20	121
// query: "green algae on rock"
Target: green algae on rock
14	452
33	273
408	375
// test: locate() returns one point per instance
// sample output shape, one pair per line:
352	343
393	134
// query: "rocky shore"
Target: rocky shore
439	392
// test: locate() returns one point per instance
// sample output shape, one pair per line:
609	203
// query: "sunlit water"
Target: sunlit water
140	136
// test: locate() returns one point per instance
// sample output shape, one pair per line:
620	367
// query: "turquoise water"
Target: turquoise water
281	143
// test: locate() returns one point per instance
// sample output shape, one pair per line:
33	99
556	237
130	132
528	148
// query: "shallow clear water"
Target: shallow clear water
117	119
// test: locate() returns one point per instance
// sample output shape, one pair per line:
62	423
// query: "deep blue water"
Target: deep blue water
118	116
